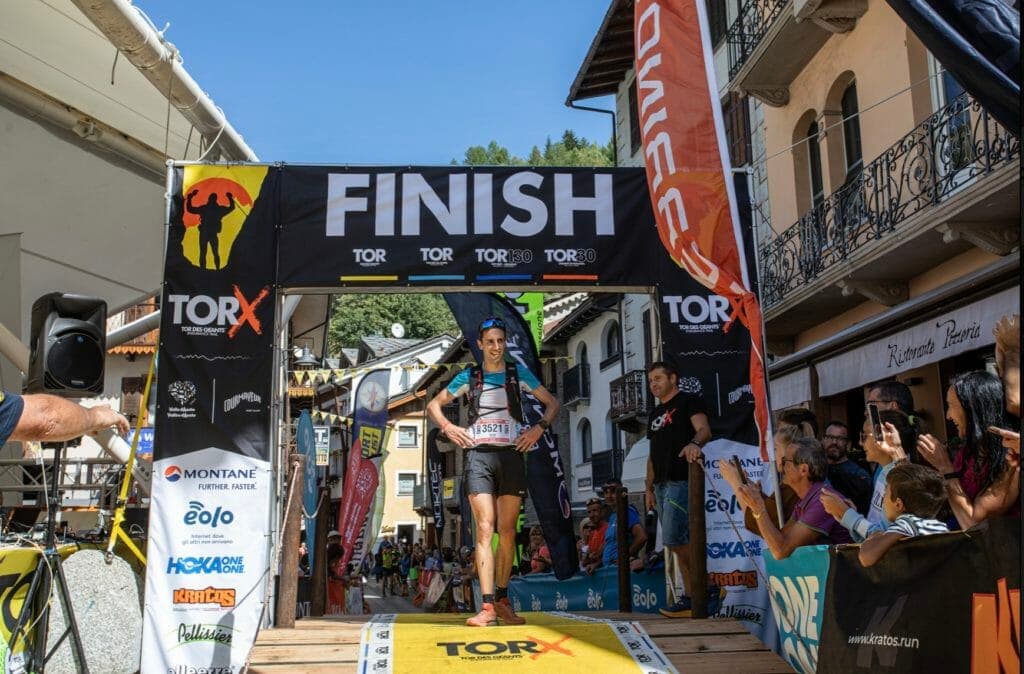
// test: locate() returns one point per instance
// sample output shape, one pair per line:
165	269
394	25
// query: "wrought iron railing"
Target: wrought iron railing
955	147
576	384
629	396
754	20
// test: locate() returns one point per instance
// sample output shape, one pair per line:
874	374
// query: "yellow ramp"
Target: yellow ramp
548	642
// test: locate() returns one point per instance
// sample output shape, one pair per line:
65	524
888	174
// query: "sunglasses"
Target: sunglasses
489	323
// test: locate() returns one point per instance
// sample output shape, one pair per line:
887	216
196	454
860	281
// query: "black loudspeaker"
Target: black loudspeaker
68	345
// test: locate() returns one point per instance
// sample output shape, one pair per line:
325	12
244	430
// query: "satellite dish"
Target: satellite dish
397	330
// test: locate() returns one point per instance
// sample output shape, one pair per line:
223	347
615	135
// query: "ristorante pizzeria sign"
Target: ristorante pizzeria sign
952	333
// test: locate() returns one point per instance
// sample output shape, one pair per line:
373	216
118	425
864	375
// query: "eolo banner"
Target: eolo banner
239	234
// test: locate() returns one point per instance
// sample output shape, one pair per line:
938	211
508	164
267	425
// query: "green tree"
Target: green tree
571	150
356	316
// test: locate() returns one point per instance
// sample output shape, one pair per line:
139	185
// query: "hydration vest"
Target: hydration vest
512	393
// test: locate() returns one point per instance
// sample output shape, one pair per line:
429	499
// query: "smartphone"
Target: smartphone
735	460
876	421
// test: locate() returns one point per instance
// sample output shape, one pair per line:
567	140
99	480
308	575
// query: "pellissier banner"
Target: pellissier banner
207	555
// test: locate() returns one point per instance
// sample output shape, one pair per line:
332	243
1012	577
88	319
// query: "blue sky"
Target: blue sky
389	82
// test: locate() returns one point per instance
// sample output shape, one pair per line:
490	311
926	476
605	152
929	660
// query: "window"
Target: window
851	132
634	120
610	346
648	339
736	116
814	165
406	483
614	443
408	436
586	442
718	20
584	363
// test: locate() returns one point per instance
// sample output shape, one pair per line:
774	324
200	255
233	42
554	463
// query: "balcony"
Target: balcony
630	400
576	385
950	183
605	466
771	41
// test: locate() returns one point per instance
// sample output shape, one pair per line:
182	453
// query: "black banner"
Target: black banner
546	477
712	362
217	324
979	42
495	226
435	469
946	603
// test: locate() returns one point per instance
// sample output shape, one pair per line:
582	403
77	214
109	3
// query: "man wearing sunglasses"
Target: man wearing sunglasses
495	469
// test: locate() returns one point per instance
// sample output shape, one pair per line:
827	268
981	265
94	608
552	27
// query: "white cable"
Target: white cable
764	159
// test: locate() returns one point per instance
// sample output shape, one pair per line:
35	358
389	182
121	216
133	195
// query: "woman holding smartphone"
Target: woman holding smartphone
895	430
979	480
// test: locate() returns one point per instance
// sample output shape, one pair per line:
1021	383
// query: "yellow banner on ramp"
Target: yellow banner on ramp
561	642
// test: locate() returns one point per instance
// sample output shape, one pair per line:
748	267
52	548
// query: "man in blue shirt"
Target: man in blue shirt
495	471
48	418
636	536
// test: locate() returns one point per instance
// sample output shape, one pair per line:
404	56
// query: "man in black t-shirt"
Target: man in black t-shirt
678	429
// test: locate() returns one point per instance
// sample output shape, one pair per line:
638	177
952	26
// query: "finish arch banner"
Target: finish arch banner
239	234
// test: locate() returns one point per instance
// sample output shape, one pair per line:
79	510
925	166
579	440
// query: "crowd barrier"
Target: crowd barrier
944	603
598	592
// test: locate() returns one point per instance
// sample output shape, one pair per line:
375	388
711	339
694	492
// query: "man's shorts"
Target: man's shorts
674	511
495	470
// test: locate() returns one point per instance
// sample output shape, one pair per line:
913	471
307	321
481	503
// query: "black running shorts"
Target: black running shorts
495	470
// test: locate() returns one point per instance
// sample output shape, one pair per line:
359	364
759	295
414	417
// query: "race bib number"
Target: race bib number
492	432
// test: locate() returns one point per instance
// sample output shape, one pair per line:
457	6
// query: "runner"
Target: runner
495	474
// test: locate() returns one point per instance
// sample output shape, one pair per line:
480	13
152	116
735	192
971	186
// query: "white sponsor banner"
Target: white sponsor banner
206	563
734	554
936	339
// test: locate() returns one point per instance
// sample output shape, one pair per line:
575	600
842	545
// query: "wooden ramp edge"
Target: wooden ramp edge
322	645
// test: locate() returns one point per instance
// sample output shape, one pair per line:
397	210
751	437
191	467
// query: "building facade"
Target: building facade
885	200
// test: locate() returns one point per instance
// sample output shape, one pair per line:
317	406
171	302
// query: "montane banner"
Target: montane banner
698	221
545	476
209	515
361	478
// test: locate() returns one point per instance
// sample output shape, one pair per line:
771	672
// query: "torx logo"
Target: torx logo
203	315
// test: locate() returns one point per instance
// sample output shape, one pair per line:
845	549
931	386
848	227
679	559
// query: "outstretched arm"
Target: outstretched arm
188	202
48	418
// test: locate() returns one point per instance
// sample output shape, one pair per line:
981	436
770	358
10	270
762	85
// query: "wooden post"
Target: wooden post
288	584
622	544
698	543
319	552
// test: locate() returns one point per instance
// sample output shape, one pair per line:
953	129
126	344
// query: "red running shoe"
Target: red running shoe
506	613
487	617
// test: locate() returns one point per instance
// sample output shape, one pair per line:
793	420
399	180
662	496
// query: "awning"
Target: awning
790	389
952	333
634	468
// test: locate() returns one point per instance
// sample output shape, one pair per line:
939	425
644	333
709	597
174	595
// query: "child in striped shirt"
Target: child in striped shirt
914	494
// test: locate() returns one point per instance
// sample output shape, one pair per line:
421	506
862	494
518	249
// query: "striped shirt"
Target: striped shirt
911	525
